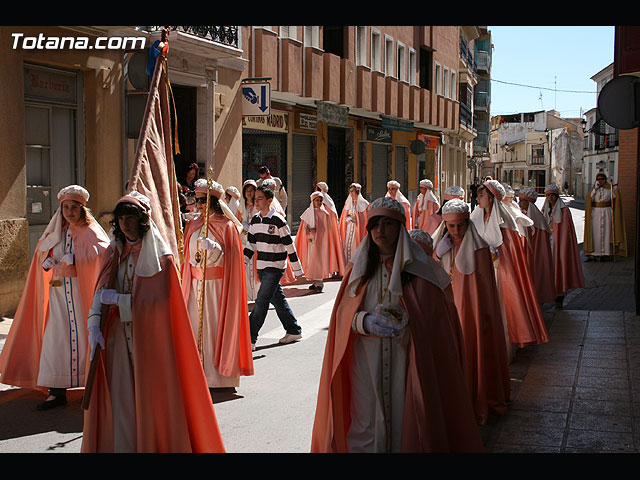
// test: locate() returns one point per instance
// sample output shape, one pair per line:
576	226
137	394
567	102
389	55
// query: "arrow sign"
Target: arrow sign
256	99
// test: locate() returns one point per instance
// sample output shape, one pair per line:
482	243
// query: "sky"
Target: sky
551	59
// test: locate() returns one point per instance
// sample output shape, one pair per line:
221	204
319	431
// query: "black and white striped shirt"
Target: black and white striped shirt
270	238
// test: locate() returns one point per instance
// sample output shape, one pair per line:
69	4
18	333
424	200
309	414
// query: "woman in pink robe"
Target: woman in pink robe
466	257
541	257
47	343
223	336
566	255
394	300
149	393
522	314
353	220
425	206
393	191
318	243
435	219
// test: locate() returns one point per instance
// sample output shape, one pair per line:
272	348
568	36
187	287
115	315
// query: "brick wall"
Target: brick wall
627	182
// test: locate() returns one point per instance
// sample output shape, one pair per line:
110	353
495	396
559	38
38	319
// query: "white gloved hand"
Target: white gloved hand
95	338
68	259
380	325
208	244
49	263
444	245
109	297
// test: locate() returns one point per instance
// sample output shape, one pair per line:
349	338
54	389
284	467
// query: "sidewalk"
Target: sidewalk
579	393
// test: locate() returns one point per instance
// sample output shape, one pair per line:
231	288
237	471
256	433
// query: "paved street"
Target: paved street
578	393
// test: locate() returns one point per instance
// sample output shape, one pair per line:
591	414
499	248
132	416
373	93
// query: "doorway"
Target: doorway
336	168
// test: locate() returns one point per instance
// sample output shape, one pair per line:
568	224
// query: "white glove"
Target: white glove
49	263
109	297
380	325
444	245
208	244
68	259
95	338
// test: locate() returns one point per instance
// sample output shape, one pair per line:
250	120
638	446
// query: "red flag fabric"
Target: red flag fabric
153	173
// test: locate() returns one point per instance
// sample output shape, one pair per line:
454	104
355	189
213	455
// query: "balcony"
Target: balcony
466	55
481	101
227	35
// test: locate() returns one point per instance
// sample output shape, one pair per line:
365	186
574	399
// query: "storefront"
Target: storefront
264	142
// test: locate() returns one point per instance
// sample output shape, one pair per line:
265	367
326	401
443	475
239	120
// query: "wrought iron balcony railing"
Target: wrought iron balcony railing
225	35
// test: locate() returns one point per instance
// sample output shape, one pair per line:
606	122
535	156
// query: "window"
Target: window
312	36
445	83
426	69
376	50
388	56
402	63
361	46
333	40
438	79
412	66
454	85
289	32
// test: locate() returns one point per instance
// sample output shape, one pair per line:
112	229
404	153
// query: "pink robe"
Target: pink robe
566	256
421	217
433	222
232	351
476	296
326	255
541	264
438	415
524	318
20	357
360	226
173	408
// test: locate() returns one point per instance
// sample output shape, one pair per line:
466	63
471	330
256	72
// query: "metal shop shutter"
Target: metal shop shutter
379	159
302	177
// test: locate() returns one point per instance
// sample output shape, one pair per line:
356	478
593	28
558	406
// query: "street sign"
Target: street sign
256	98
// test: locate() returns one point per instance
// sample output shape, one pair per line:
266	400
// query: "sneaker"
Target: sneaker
289	338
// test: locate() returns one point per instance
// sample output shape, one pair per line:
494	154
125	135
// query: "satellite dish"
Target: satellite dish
417	147
619	102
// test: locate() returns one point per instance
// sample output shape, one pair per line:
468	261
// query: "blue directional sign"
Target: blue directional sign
256	99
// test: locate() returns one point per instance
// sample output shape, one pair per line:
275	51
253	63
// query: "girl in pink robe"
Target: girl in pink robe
466	257
393	191
318	243
47	343
353	220
522	314
426	205
541	257
566	255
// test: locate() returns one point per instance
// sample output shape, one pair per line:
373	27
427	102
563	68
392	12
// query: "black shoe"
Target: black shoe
53	403
589	258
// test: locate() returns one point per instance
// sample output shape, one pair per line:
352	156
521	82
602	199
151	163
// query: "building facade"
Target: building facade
348	103
72	100
601	140
534	149
364	104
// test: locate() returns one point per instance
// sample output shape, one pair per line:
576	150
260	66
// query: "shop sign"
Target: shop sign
333	114
275	122
49	85
377	134
308	122
430	142
397	124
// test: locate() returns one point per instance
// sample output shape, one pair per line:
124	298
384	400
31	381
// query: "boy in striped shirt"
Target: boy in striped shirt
269	238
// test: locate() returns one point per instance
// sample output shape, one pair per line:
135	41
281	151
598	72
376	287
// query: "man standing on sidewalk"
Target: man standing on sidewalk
270	238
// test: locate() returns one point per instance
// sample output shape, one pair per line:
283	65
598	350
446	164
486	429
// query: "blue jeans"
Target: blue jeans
270	291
